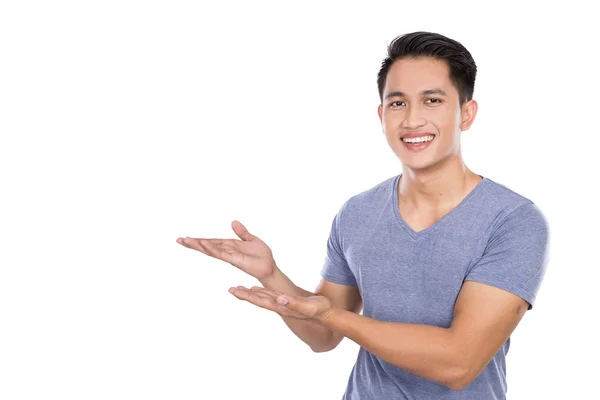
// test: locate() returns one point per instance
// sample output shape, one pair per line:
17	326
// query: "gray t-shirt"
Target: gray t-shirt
494	236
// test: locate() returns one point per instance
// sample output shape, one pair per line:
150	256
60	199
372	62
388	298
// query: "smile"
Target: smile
418	143
421	139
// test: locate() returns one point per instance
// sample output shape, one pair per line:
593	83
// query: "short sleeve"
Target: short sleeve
335	267
516	256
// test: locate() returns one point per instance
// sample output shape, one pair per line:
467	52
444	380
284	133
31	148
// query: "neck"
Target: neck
439	186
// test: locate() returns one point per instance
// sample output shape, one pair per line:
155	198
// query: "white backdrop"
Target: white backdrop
126	124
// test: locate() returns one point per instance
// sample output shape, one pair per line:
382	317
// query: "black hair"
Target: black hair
461	66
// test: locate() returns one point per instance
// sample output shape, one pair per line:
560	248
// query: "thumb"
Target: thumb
295	303
241	231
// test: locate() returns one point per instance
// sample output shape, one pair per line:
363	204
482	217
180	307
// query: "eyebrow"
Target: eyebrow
427	92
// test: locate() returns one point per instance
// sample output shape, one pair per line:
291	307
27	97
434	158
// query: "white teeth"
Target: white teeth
418	139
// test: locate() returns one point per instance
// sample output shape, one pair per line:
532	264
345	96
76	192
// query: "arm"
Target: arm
494	296
254	257
484	318
318	337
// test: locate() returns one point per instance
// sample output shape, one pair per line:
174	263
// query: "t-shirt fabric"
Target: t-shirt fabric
494	236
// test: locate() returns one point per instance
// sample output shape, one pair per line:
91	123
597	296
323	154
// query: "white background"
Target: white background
126	124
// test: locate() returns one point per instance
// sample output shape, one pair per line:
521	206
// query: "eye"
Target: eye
434	100
394	103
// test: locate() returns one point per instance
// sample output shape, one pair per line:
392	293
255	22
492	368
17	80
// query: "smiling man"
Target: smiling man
443	262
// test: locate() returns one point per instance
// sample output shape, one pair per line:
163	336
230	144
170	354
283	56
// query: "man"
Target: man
443	262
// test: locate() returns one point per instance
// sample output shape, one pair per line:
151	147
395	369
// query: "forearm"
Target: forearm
423	350
318	337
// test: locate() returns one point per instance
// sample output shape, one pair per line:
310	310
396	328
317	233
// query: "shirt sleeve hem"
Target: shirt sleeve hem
516	290
339	278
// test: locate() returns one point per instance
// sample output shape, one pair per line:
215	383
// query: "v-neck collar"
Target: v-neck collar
414	234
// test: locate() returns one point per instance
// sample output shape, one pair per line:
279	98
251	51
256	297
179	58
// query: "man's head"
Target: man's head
426	89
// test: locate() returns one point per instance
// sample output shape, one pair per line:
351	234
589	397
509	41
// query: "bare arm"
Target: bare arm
318	337
254	257
484	318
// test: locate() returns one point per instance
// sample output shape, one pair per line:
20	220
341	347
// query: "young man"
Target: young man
443	262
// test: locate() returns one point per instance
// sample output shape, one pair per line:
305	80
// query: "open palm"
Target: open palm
250	254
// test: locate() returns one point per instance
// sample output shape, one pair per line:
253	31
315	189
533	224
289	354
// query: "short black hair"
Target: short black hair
461	66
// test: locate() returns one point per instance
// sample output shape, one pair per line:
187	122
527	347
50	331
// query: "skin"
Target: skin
434	181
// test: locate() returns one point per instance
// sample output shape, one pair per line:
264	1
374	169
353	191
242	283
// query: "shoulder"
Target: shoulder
502	195
505	204
511	211
372	197
362	206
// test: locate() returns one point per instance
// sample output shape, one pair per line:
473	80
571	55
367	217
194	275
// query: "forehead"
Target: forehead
415	75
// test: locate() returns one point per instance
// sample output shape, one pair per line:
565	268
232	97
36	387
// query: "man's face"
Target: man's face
420	101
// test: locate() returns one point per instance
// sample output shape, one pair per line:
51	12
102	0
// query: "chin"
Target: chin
419	160
419	164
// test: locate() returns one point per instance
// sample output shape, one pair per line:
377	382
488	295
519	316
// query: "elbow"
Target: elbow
458	378
321	348
458	385
460	372
326	344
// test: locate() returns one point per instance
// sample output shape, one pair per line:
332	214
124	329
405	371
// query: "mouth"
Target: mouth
417	142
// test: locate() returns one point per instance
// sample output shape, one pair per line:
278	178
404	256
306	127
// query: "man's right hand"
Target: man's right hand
250	254
253	256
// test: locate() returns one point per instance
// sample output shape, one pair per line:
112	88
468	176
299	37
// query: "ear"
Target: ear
468	113
380	113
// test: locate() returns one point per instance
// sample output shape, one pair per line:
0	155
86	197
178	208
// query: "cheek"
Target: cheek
447	123
393	119
389	124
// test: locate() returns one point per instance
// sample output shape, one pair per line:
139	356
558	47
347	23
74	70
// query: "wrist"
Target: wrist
328	316
270	281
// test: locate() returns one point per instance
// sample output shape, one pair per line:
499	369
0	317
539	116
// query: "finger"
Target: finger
295	303
214	242
181	241
227	243
230	244
241	231
267	302
192	243
211	248
259	293
251	290
268	292
231	256
220	242
259	300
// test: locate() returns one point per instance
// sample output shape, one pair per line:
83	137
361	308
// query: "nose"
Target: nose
412	118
